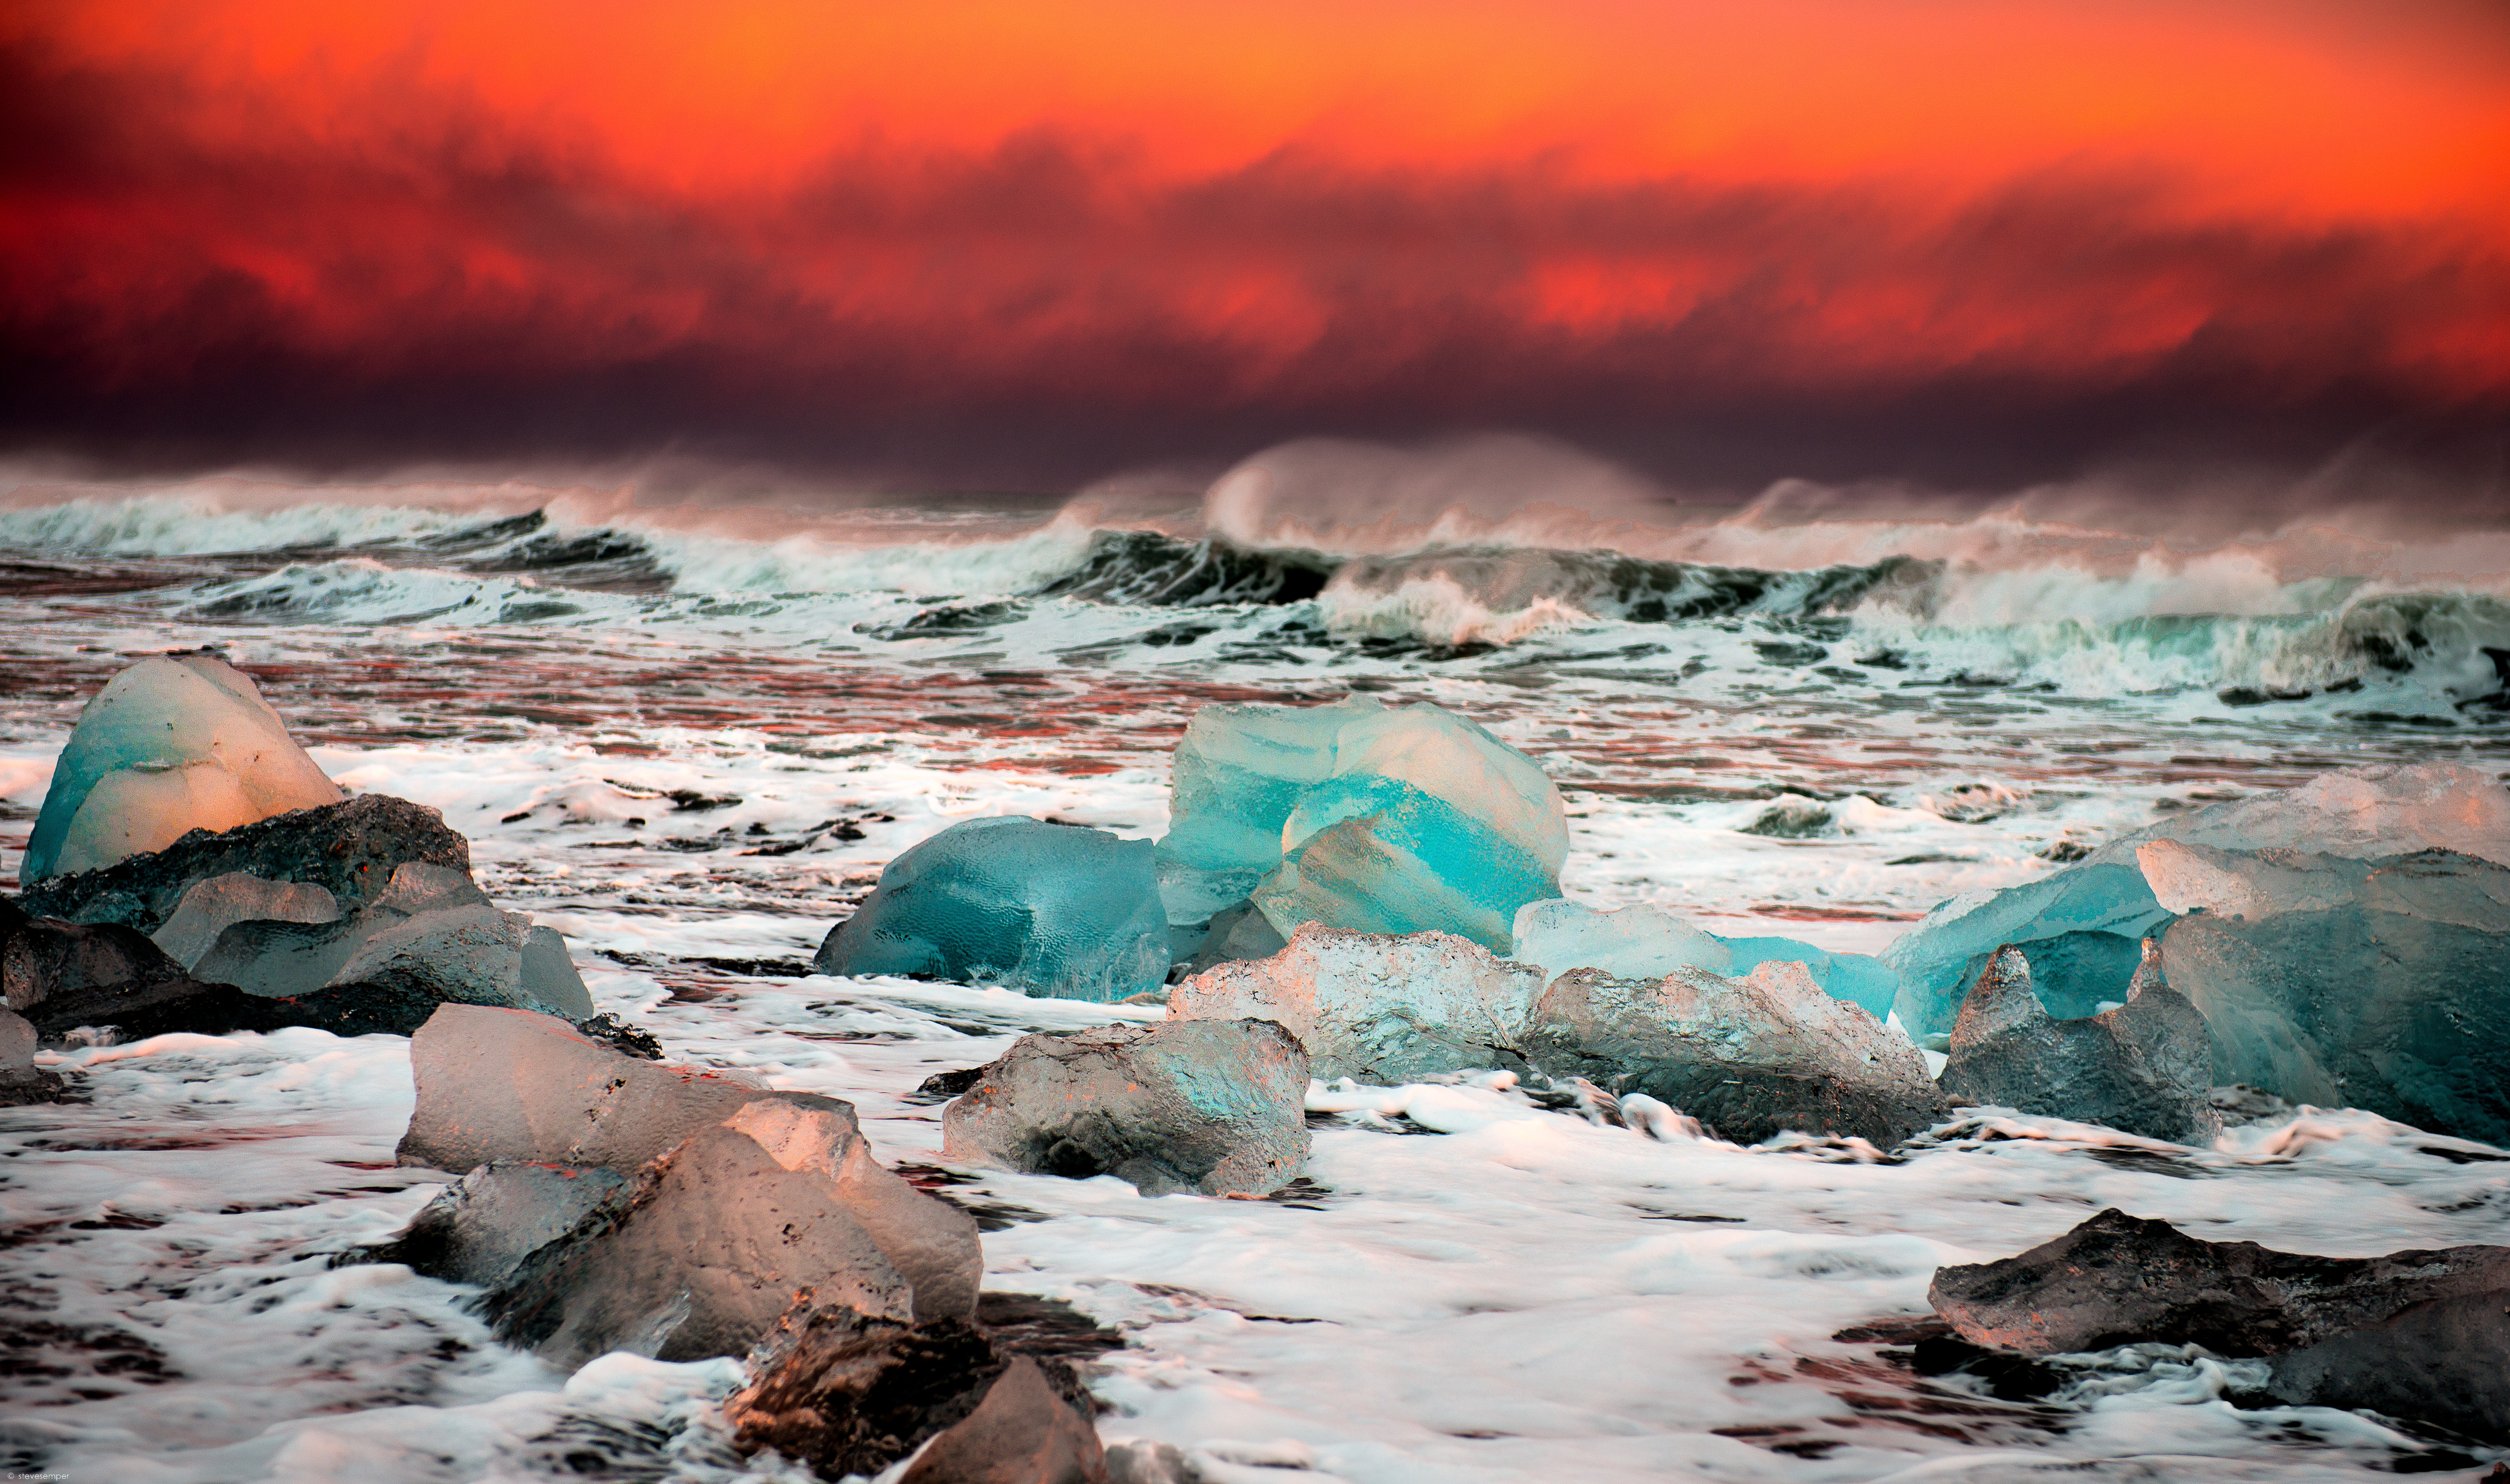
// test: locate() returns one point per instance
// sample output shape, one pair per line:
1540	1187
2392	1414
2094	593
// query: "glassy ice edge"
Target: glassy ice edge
692	753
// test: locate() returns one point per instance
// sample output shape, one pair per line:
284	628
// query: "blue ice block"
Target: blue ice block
1936	958
174	744
1647	943
1052	909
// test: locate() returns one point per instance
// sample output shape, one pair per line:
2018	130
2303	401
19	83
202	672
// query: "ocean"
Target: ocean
689	736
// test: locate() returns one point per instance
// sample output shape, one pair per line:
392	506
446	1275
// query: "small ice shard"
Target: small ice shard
487	1225
1215	1106
1357	817
846	1396
174	744
780	1202
2418	1334
1649	943
1381	1007
211	905
511	1084
2396	998
1640	942
429	936
1751	1057
2358	814
349	849
2144	1067
1052	909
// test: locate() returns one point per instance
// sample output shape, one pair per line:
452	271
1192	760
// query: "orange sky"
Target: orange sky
1209	208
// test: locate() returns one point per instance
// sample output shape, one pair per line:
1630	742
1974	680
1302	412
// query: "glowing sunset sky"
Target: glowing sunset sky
1034	244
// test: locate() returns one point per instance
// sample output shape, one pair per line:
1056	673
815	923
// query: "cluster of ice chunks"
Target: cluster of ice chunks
1359	816
172	745
1052	909
2145	1066
1754	1054
1647	943
2091	916
706	1206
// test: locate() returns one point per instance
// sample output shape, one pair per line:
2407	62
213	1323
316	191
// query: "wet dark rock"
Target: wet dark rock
347	849
950	1083
62	977
622	1036
21	1081
1215	1106
2414	1334
845	1394
1752	1057
2144	1067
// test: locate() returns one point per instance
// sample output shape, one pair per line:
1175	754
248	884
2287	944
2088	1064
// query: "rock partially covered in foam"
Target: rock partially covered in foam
1647	943
2145	1066
21	1081
848	1396
1377	1007
2420	1333
172	745
2359	814
1753	1056
1215	1106
349	849
2380	984
1362	818
1052	909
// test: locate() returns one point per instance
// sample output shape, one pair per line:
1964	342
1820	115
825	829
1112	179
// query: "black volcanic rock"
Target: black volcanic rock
349	848
847	1394
2143	1067
21	1081
2416	1334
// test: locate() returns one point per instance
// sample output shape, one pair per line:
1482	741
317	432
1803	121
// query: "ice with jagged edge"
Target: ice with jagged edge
1360	816
174	744
2359	814
1647	943
1053	909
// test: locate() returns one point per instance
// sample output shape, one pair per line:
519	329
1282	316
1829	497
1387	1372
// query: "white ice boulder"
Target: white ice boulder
1381	1007
172	745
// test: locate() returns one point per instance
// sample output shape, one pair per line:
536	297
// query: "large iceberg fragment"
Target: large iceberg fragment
2359	814
1752	1056
1380	1007
1378	820
172	745
1052	909
2380	984
2145	1066
1647	943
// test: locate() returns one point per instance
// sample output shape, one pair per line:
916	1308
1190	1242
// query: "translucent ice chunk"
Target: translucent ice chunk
2358	814
1641	942
1647	943
1426	824
1053	909
1237	774
172	745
